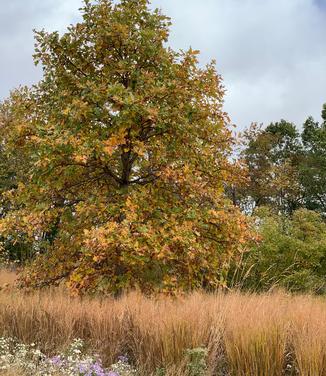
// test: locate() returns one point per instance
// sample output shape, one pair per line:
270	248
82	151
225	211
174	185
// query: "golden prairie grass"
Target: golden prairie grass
250	335
7	278
13	372
256	334
309	337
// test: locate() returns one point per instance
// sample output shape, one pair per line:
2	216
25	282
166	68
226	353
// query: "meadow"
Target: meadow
198	334
121	177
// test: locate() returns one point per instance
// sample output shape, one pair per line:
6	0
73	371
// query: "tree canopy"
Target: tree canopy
286	167
291	253
272	156
128	152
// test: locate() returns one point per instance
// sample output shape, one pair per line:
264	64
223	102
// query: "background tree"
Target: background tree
313	168
291	253
128	150
13	168
273	155
286	171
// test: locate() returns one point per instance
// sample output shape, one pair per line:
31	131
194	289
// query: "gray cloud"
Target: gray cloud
270	53
17	20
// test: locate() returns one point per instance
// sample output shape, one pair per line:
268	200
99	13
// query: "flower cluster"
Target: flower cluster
30	361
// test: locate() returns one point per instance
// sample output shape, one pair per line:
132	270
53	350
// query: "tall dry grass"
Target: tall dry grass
309	336
7	278
252	335
256	332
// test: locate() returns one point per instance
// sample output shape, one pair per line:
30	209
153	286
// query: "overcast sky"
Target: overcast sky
271	53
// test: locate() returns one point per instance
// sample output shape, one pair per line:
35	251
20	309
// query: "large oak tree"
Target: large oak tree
128	147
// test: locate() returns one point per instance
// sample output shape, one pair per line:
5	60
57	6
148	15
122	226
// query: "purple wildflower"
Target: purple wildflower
112	373
57	361
82	368
97	369
123	358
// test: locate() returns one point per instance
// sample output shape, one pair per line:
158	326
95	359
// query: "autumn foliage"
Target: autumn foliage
127	147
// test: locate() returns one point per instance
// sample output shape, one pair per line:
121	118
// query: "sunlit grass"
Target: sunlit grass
254	335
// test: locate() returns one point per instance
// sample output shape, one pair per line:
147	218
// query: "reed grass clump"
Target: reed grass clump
242	334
